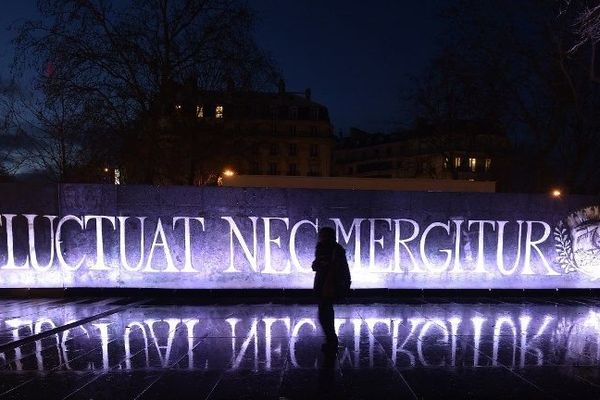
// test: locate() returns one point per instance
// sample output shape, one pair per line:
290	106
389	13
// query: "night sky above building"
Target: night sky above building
357	59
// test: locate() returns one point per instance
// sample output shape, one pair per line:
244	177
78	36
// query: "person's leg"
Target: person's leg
332	337
326	319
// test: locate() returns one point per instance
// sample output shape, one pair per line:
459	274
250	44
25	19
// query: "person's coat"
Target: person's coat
332	278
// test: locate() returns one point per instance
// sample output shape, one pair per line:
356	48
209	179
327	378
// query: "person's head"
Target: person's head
326	234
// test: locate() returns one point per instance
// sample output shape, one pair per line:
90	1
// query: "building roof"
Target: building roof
267	105
356	183
359	138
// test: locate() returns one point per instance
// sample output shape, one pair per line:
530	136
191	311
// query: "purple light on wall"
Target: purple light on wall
173	237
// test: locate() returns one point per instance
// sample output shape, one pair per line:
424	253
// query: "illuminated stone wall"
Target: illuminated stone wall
185	237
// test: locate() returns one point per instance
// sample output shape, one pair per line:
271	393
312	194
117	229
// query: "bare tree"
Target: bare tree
9	146
516	68
131	60
586	21
587	29
55	132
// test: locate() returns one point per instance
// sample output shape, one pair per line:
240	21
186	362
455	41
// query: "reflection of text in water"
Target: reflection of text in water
407	338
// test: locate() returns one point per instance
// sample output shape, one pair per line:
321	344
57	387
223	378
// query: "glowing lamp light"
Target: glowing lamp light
105	169
556	193
228	173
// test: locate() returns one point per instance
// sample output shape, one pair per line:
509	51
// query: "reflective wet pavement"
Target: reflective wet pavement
430	349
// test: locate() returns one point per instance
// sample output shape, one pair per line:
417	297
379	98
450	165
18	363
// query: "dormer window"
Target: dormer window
219	111
457	162
314	150
314	113
293	113
472	164
199	112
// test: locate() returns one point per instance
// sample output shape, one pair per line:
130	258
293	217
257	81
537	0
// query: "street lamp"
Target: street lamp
556	193
228	172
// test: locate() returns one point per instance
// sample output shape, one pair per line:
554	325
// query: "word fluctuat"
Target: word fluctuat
405	246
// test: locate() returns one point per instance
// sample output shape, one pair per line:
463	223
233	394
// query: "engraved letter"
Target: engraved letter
187	240
32	252
250	256
58	242
123	246
100	264
293	253
355	227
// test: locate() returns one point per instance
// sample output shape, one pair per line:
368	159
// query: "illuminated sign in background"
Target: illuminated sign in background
54	236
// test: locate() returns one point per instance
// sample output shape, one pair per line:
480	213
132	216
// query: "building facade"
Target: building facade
468	152
193	137
278	133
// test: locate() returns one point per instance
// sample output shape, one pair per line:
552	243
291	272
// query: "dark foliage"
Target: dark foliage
110	75
526	71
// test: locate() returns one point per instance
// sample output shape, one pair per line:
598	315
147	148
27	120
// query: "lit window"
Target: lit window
446	163
488	164
117	176
219	112
472	164
457	162
200	112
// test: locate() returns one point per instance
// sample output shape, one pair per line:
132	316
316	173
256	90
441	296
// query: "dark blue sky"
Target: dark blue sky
11	11
356	56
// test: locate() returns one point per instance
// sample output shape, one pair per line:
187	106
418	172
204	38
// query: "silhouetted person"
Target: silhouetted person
332	281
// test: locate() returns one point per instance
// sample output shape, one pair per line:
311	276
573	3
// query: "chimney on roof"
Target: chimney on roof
281	86
307	94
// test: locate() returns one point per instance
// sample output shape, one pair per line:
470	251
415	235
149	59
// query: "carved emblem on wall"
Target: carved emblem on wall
577	242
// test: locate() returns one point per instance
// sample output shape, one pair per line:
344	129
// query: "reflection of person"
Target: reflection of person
332	280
